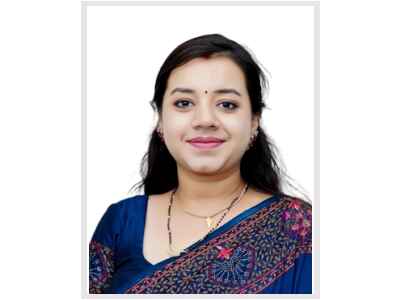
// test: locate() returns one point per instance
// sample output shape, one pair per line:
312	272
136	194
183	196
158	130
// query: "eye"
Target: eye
229	105
182	101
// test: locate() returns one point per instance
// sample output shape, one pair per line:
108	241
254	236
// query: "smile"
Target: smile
203	145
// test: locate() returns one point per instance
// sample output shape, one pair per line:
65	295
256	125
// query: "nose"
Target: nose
205	116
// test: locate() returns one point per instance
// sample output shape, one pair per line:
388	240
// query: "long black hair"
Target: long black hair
259	165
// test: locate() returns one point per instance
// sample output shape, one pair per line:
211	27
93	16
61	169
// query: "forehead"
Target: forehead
216	72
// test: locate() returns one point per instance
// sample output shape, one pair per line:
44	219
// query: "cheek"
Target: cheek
175	127
239	129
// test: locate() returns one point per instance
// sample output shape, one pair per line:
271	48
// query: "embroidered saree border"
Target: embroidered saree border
270	276
101	266
286	230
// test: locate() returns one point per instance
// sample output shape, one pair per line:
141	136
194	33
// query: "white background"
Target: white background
125	53
40	149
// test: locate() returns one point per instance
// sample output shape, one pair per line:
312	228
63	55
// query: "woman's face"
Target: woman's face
207	98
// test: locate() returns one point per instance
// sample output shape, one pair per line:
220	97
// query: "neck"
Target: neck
206	194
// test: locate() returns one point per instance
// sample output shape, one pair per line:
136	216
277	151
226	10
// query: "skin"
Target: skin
208	180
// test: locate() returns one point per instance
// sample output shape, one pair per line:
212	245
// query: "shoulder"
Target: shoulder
135	207
296	218
296	204
127	203
126	208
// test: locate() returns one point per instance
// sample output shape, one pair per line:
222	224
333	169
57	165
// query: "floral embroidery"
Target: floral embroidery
247	258
235	270
224	253
297	220
101	267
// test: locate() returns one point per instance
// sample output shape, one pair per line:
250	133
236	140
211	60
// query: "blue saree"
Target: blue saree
264	250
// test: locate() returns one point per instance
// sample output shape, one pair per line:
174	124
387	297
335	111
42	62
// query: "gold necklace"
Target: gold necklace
209	219
174	252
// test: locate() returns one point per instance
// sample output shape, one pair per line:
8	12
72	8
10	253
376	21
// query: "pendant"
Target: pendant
209	222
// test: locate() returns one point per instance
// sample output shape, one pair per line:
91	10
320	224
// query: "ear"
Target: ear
255	122
159	123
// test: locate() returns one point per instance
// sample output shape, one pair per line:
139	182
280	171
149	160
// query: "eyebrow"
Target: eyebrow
219	91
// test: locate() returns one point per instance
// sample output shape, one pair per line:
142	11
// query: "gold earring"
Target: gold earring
253	137
160	134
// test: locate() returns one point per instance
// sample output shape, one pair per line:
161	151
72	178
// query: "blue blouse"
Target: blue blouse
265	249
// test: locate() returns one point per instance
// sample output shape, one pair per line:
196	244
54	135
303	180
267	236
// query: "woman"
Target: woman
213	217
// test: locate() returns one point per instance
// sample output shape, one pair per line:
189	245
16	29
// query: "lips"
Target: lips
206	145
206	142
207	139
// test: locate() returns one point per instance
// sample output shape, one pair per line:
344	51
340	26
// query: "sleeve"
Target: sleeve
303	274
299	228
102	250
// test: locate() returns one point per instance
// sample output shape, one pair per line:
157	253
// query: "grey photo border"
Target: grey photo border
316	204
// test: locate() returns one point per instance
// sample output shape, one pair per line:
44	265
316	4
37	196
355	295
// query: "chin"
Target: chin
202	168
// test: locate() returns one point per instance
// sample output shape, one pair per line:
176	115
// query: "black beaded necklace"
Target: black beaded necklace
173	252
